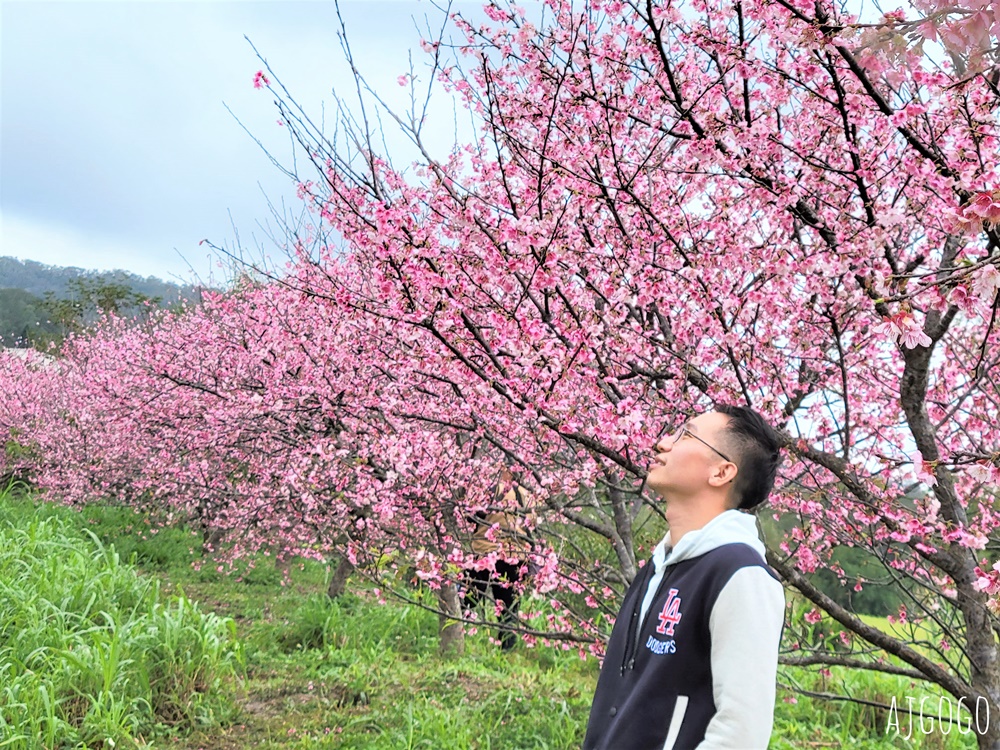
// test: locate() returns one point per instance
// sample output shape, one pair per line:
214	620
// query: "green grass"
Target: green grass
91	654
351	673
354	673
801	721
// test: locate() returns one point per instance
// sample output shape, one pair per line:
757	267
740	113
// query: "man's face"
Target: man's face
684	460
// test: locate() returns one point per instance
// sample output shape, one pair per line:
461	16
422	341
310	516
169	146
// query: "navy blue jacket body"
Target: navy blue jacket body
661	678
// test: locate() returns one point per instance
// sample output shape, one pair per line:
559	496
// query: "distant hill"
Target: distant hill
37	279
40	304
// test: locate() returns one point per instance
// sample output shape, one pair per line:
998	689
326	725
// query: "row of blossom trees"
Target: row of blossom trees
666	205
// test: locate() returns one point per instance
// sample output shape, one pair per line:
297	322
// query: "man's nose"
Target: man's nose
664	444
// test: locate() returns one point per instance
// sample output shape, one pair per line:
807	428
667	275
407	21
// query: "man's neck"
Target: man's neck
690	514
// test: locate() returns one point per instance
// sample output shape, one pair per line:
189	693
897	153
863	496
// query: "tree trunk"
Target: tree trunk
990	740
450	630
982	649
338	579
960	563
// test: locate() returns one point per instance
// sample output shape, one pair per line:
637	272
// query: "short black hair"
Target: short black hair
756	446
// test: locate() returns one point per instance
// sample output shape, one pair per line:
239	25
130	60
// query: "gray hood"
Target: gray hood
726	528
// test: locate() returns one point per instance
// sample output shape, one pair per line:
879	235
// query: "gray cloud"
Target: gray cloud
115	145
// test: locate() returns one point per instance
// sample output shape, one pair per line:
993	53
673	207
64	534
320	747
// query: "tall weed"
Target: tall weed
92	654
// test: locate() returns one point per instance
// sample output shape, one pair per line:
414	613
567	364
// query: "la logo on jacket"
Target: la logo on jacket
670	615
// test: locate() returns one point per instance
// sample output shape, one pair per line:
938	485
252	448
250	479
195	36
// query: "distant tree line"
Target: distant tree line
41	304
22	317
38	278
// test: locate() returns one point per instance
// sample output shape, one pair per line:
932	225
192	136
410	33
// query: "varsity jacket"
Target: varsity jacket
693	655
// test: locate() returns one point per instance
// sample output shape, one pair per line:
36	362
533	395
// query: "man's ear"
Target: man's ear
724	473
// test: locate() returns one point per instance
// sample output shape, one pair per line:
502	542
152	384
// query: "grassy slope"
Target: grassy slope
92	654
357	673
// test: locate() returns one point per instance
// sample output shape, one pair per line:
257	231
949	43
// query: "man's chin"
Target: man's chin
657	484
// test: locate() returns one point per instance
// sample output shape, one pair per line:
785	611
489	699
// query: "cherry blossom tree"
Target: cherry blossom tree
672	205
665	206
271	439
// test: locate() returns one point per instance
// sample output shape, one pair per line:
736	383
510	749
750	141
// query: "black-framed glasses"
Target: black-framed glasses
685	431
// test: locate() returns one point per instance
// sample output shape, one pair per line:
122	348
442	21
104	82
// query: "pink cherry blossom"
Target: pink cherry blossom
985	206
654	216
260	80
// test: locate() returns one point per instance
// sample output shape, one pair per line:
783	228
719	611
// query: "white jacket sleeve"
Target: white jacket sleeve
746	630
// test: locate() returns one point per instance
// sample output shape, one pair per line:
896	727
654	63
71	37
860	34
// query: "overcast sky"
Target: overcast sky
116	149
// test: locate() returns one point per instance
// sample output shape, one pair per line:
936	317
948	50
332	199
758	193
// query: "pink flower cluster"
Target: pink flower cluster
694	220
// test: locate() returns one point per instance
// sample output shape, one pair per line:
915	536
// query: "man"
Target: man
693	654
501	533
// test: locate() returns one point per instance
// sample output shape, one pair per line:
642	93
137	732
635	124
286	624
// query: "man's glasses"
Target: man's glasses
685	431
